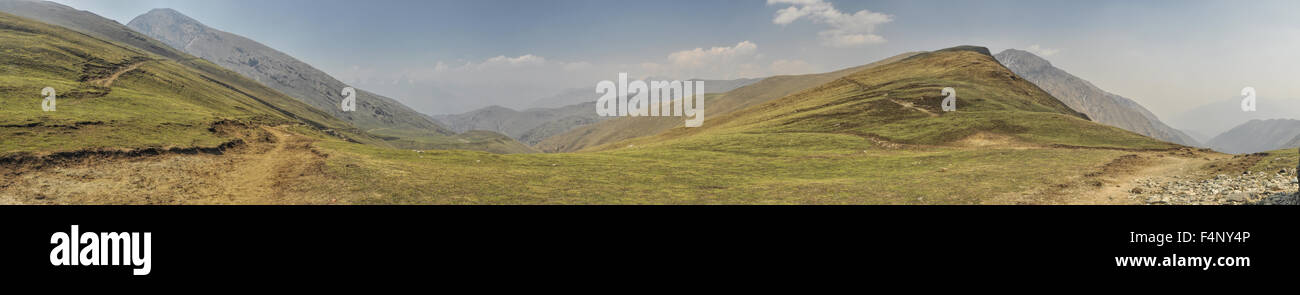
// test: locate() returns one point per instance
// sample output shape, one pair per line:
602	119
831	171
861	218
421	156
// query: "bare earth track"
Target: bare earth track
1129	181
108	81
274	167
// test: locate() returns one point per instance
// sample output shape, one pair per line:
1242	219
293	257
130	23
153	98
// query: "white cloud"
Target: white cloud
742	60
701	57
1042	51
846	30
522	60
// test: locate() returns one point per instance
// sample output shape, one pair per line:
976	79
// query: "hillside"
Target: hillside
101	28
1081	95
108	93
617	129
899	103
1258	136
88	23
376	114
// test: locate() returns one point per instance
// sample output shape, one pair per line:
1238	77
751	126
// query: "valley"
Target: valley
139	122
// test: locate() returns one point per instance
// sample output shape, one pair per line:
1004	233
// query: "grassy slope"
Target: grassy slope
617	129
795	169
873	103
806	148
176	102
1276	160
127	39
404	128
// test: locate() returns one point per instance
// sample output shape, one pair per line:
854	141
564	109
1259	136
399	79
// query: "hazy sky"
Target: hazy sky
451	56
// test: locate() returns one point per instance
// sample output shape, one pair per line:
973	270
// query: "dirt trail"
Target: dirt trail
1117	187
108	81
1111	183
275	167
263	175
914	107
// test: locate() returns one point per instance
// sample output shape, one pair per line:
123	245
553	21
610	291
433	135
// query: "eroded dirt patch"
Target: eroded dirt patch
273	166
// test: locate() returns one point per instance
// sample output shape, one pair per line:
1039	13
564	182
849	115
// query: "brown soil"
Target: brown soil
1111	184
273	167
108	81
914	107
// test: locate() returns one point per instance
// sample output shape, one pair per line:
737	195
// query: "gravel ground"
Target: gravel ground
1277	188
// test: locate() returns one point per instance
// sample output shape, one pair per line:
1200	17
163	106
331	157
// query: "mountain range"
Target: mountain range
379	117
1218	116
88	23
277	70
536	124
1081	95
115	98
528	126
375	113
1258	136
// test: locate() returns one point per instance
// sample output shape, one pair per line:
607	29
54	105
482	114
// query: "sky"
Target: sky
454	56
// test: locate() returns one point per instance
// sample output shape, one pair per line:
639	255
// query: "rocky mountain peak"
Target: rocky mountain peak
169	26
1020	59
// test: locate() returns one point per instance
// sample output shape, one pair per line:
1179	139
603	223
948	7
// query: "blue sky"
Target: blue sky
451	56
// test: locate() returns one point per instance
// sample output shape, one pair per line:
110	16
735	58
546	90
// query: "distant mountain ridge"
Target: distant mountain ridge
87	23
1081	95
277	70
114	97
398	135
1220	115
538	123
1258	136
528	126
395	122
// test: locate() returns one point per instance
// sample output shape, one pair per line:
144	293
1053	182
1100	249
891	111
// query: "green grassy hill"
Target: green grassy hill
874	136
617	129
88	23
425	136
112	96
378	115
900	103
